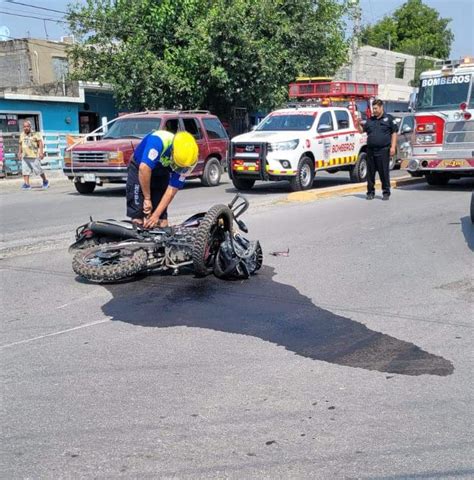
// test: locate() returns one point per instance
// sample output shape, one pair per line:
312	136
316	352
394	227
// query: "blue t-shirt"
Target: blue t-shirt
155	152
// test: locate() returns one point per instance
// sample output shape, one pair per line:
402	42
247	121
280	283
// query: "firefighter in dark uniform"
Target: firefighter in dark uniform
381	146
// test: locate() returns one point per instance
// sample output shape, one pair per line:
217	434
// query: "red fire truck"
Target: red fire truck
443	143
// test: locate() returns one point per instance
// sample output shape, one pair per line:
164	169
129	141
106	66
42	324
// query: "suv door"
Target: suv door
404	137
344	146
325	130
217	138
191	125
171	125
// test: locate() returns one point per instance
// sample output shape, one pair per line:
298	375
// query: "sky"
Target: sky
460	11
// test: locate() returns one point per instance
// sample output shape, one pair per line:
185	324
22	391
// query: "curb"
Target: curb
55	176
342	190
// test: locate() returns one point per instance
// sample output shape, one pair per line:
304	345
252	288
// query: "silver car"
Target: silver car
406	126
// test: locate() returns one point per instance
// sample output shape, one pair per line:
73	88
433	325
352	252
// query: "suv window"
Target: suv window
214	128
171	125
326	119
191	125
410	121
132	127
342	119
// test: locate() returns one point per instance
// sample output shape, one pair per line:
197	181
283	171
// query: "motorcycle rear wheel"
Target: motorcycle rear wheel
109	264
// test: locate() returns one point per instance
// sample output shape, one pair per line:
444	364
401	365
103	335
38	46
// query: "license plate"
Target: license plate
89	177
453	163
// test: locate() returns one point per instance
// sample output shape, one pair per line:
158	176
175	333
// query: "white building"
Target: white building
393	71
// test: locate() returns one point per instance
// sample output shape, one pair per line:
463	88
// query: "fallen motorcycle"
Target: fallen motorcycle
111	251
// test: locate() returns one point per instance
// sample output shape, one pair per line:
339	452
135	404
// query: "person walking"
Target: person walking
381	132
31	152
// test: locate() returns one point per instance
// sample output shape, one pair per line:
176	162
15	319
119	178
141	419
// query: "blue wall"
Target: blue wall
101	103
53	114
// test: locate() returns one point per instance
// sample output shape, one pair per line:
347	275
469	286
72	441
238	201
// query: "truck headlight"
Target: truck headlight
278	146
422	139
67	158
115	157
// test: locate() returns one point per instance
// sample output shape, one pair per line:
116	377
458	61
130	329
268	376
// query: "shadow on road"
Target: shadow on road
271	311
468	231
462	185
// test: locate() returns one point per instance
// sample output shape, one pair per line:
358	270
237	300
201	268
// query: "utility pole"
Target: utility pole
356	17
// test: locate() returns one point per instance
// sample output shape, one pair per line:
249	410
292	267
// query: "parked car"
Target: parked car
102	161
406	126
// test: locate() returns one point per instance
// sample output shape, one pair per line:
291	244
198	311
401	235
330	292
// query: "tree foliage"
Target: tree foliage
205	53
414	28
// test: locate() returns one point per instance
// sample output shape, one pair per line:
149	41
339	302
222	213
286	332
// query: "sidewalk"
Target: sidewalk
56	175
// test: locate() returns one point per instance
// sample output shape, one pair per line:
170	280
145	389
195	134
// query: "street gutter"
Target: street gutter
342	190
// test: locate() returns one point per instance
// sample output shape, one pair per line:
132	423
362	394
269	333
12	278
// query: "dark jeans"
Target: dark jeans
378	160
158	186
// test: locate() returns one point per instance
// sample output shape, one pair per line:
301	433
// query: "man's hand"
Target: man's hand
392	151
41	155
152	221
147	207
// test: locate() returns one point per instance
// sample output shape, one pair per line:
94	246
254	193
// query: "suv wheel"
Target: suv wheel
85	188
393	162
243	183
359	170
305	175
212	173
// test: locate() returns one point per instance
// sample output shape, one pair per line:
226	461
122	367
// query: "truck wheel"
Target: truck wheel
84	188
437	179
212	173
359	170
243	183
303	180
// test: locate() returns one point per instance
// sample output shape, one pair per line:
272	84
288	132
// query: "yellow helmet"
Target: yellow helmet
185	150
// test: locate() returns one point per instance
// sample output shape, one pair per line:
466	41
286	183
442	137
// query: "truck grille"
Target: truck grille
459	135
89	157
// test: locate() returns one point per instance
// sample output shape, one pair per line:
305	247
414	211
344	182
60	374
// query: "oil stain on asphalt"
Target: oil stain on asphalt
274	312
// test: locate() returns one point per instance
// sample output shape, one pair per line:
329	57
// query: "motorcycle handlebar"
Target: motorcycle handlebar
239	208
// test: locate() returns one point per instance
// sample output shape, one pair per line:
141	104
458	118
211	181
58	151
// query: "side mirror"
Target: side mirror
324	128
407	129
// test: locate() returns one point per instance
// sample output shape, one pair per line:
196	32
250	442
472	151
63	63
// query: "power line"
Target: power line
35	6
16	10
31	16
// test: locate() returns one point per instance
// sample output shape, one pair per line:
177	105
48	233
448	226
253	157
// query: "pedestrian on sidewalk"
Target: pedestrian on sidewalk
381	132
31	152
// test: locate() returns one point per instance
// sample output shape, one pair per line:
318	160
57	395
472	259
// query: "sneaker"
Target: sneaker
25	186
370	196
386	196
46	185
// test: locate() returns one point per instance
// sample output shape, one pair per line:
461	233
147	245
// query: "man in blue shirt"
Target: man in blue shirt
158	169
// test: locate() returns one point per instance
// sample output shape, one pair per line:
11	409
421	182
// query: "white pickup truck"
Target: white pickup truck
292	144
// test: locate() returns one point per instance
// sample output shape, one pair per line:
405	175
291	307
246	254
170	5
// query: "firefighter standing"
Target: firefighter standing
381	145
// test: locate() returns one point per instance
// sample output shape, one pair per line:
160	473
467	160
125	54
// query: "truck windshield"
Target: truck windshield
287	122
132	127
443	92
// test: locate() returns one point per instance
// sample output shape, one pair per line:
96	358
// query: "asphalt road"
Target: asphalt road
351	358
40	219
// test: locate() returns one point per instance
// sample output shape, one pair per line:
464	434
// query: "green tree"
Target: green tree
414	28
205	53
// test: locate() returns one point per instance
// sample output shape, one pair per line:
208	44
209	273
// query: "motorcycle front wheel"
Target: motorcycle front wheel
109	264
209	236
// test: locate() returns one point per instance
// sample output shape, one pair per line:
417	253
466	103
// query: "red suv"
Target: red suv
106	160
